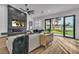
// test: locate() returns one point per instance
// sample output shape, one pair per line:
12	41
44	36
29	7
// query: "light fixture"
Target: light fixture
48	11
29	11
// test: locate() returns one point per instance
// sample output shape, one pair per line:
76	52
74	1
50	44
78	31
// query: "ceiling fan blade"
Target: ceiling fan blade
22	10
27	10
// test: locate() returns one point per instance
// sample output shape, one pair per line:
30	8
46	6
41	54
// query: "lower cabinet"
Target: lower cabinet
3	47
33	41
46	39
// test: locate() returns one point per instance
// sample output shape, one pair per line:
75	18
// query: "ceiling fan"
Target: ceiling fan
27	10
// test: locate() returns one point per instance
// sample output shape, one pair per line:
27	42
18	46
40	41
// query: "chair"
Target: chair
20	45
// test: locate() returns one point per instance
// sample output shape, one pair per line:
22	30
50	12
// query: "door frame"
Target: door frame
45	23
74	20
73	26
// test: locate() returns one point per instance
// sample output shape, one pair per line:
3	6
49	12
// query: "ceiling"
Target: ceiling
47	9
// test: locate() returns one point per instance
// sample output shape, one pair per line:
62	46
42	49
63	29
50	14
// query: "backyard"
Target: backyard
59	30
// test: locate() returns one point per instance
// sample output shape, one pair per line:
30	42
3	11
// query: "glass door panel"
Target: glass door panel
57	26
69	26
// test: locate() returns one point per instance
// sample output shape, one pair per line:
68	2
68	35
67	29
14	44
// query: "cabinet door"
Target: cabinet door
33	42
3	47
42	40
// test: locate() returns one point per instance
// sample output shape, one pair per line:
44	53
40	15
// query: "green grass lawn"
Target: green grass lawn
60	31
68	32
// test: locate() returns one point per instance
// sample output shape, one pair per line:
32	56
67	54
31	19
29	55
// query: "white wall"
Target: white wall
4	17
66	13
38	24
29	19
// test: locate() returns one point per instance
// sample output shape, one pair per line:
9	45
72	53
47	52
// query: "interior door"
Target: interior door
69	26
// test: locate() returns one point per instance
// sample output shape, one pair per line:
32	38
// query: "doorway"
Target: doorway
69	26
47	25
57	26
61	26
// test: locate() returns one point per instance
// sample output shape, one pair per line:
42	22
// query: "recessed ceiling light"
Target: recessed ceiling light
48	11
42	11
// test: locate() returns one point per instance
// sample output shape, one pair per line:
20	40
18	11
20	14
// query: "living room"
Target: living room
39	28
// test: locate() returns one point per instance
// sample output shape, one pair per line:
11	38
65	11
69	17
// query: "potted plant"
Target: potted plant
48	30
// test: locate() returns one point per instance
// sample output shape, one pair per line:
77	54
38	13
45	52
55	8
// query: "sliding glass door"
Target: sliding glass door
69	26
57	26
62	26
